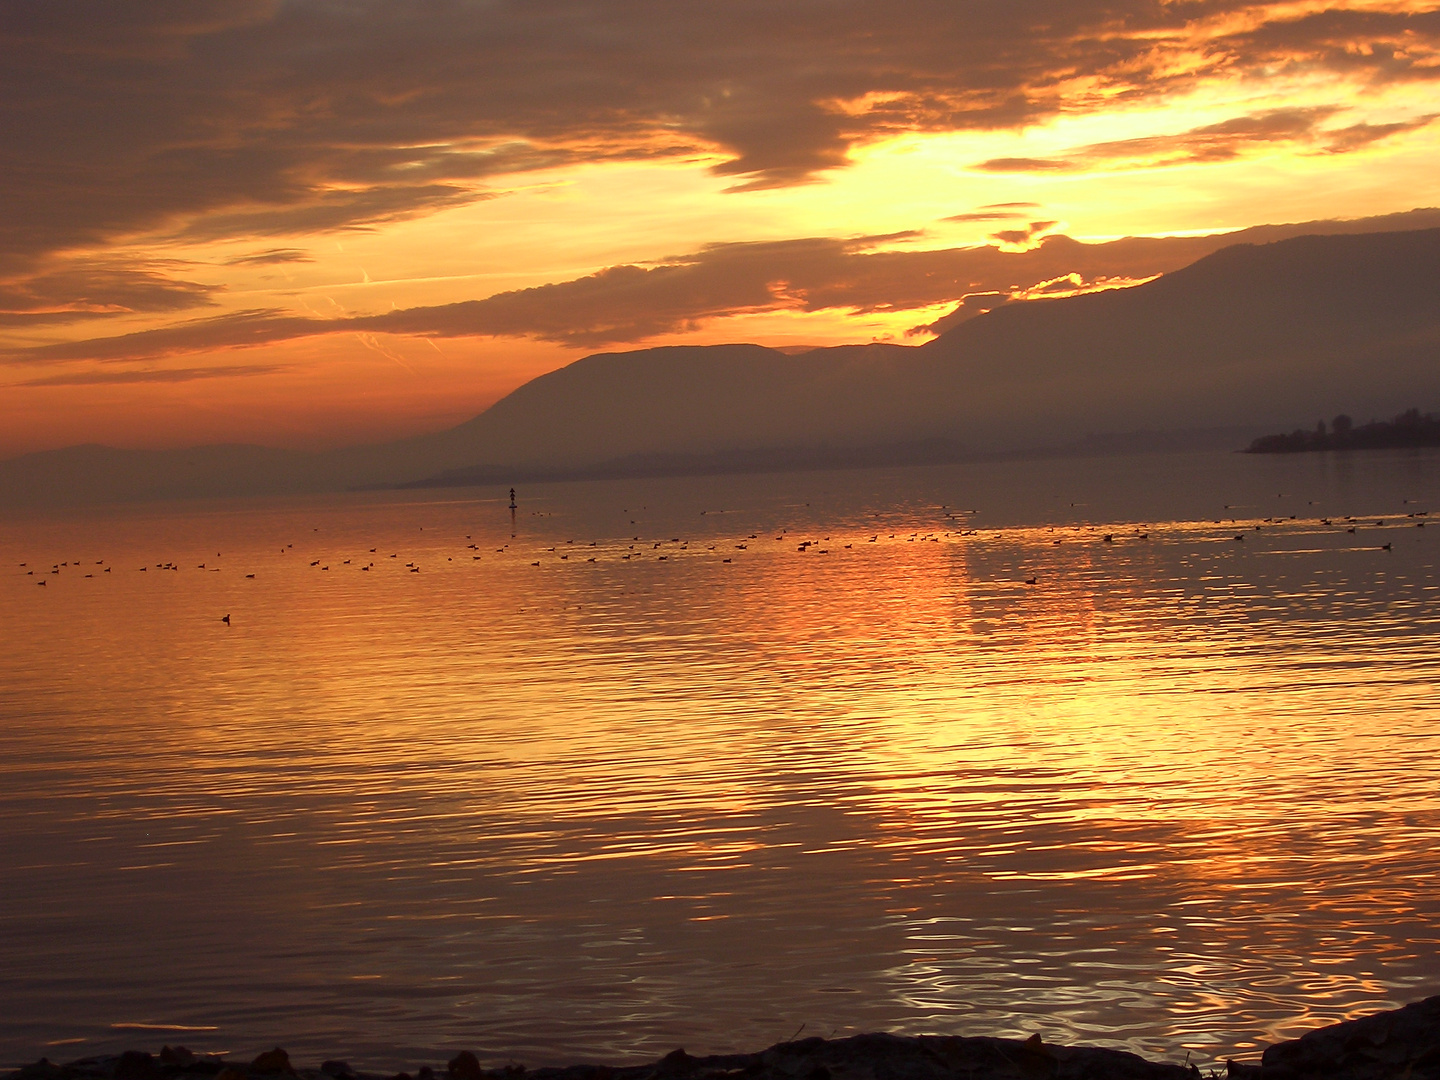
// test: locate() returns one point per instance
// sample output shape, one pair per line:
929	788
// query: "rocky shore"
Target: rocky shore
1402	1043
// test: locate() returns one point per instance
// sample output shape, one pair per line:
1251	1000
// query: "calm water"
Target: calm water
1181	793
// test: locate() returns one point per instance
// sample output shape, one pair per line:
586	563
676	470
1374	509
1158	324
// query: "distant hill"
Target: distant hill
1243	339
1246	336
1239	339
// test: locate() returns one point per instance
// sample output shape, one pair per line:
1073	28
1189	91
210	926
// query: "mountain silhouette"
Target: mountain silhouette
1248	336
1242	338
1253	337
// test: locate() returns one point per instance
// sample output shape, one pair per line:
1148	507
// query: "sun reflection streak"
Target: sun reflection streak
1132	781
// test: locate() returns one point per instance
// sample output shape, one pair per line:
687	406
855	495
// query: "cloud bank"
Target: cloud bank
628	304
1224	141
269	118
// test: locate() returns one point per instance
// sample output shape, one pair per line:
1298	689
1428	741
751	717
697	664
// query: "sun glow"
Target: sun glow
1208	147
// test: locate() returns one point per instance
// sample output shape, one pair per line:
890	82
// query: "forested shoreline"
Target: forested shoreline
1410	428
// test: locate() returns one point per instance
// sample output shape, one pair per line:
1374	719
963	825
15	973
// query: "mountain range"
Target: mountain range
1253	337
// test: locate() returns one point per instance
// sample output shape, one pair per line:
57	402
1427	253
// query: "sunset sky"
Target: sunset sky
312	223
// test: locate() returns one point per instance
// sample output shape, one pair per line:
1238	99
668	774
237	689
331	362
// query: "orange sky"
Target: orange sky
305	225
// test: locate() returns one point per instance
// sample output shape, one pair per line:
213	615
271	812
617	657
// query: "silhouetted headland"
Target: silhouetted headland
1410	428
1399	1043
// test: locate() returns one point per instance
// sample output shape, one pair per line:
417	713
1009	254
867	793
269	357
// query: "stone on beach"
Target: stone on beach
272	1062
1399	1043
1403	1042
137	1065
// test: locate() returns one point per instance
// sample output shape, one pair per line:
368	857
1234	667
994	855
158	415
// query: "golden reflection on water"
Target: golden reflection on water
933	772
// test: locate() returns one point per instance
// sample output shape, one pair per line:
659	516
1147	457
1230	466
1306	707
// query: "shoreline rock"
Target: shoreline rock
1399	1043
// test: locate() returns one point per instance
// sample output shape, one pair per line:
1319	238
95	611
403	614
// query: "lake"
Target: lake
1137	751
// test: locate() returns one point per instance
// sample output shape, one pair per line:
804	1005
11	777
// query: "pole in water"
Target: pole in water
512	498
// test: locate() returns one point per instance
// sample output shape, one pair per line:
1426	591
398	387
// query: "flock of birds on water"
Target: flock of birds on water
563	552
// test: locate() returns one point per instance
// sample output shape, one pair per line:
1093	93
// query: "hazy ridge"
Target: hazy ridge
1248	339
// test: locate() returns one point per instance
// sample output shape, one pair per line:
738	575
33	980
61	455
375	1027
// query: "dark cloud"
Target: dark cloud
234	330
48	318
1025	235
262	117
270	257
1343	140
1384	46
154	375
1213	142
630	303
66	291
333	210
1027	164
986	215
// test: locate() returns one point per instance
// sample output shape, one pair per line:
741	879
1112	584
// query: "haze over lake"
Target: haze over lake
802	749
